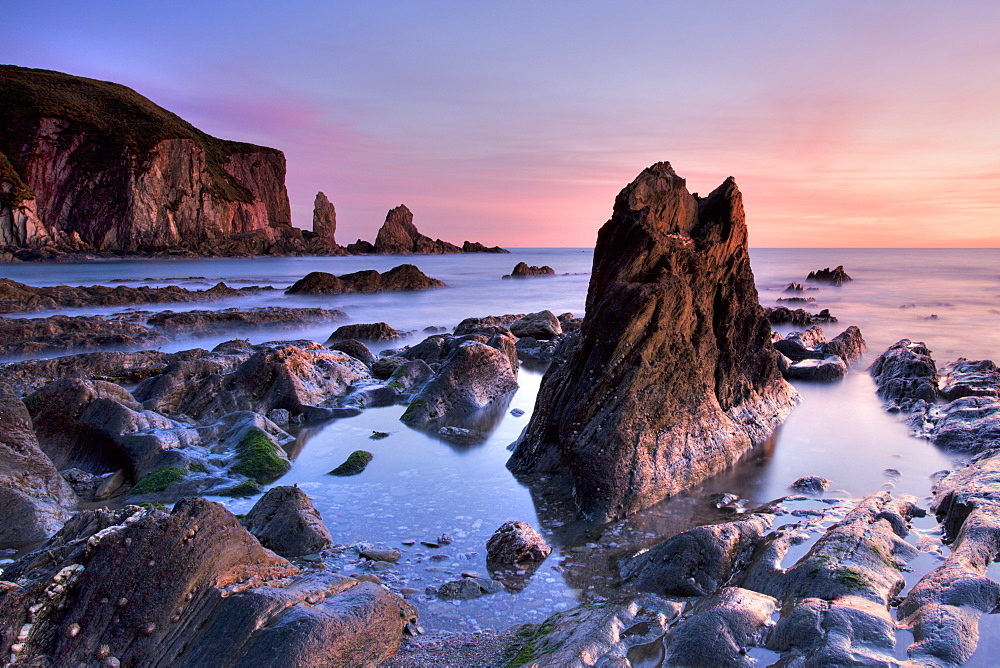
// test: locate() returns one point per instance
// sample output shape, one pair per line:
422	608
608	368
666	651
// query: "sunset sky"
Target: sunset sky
846	124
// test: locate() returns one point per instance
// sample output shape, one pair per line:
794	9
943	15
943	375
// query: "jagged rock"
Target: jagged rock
816	359
377	331
794	287
533	349
906	376
849	345
832	276
969	378
405	277
543	325
811	484
515	542
475	325
236	319
596	634
473	375
522	270
324	218
140	586
384	367
569	322
967	424
284	520
476	247
673	377
825	370
698	561
355	349
34	498
399	236
33	336
800	317
720	629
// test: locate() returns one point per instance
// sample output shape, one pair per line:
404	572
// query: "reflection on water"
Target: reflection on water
418	486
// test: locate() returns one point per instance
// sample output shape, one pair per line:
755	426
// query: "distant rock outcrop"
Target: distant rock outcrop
324	218
832	276
673	377
401	278
522	270
399	236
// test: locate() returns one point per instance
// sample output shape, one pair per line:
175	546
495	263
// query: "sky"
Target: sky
847	124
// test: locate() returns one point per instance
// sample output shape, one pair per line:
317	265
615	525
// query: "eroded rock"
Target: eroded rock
284	520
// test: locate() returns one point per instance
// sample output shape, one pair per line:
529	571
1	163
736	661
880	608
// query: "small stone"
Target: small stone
368	577
408	541
408	591
378	435
811	484
516	412
389	555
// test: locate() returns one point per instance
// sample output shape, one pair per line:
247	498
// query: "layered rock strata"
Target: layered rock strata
674	376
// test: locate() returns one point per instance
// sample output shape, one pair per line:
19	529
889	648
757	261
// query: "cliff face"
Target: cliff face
673	376
90	164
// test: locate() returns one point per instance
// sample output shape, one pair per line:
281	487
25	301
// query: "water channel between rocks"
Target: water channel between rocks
418	487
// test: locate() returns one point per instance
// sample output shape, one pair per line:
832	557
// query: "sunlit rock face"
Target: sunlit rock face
673	376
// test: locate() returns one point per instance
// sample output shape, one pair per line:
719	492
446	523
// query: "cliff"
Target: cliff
88	164
673	377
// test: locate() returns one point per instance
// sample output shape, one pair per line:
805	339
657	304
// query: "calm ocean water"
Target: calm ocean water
418	487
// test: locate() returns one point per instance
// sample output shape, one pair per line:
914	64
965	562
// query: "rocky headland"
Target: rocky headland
672	376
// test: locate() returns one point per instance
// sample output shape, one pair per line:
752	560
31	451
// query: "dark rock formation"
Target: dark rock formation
324	218
515	542
543	325
284	520
141	587
782	315
402	278
811	357
674	376
832	276
372	331
399	236
522	270
477	325
906	376
34	498
476	247
720	629
355	349
240	320
33	336
18	298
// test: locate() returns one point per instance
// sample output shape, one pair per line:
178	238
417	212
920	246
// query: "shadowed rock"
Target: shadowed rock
324	218
522	270
674	376
284	520
403	278
832	276
374	331
514	542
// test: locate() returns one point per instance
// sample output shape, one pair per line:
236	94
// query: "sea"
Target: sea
418	488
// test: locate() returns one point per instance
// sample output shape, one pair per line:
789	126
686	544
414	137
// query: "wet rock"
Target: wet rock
675	351
969	378
825	370
811	484
377	331
721	628
405	277
474	325
33	336
532	349
542	325
782	315
388	556
522	270
384	367
355	463
409	377
698	561
906	376
355	349
473	375
279	416
849	345
192	587
467	589
515	542
34	498
832	276
849	631
240	319
18	297
110	485
284	520
967	424
609	634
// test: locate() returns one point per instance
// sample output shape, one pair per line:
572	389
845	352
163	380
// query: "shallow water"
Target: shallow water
418	487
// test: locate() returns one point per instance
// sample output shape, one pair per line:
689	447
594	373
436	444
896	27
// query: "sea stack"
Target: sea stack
673	376
324	218
399	236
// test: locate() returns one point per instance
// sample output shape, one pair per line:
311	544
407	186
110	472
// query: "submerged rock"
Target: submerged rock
236	319
522	270
140	586
284	520
674	376
355	463
33	336
782	315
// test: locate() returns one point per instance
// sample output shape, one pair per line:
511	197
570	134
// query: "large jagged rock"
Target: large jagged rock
399	236
405	277
34	499
324	218
674	376
142	587
285	520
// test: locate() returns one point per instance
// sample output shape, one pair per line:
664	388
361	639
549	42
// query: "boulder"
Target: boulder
698	561
474	325
377	331
324	218
405	277
285	521
141	587
522	270
34	499
473	375
811	484
825	370
673	376
516	542
906	376
543	325
721	629
384	367
355	349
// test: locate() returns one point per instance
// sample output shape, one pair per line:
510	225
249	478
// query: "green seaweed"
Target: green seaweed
246	488
197	466
257	457
355	464
529	638
379	435
851	578
415	407
33	402
158	481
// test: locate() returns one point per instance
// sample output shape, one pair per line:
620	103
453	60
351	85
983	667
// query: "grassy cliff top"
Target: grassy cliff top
121	117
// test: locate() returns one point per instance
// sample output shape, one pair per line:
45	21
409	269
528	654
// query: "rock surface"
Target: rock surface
34	498
674	376
516	542
522	270
324	218
241	320
402	278
399	236
543	325
140	587
374	331
285	521
832	276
